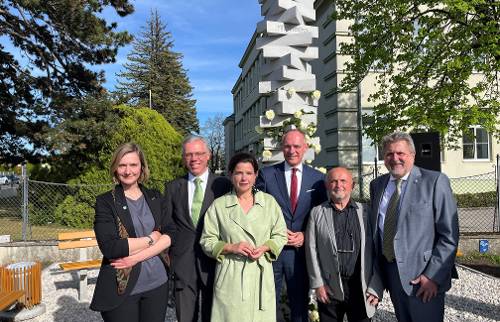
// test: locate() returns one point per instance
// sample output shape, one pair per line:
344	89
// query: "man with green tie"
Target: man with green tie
188	198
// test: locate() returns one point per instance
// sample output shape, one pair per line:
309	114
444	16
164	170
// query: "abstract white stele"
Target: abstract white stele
285	38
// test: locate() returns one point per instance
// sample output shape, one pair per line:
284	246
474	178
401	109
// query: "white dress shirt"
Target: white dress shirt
192	187
288	177
384	202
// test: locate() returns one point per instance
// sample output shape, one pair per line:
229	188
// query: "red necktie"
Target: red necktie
293	190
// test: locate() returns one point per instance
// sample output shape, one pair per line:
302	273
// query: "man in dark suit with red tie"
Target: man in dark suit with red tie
297	188
188	199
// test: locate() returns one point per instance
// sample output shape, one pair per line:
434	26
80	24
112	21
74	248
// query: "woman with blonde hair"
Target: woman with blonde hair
130	230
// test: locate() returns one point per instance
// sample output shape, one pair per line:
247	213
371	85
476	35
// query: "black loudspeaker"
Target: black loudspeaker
428	151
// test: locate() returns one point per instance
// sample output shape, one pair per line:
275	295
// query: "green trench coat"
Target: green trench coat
244	288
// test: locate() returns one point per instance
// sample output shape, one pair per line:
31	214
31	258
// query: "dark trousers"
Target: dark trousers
410	308
292	265
150	306
353	304
190	299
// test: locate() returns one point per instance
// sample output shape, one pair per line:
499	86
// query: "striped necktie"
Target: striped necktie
390	223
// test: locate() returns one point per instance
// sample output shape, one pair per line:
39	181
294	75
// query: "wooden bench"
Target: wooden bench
82	240
8	298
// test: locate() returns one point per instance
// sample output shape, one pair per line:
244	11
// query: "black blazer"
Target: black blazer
188	260
107	209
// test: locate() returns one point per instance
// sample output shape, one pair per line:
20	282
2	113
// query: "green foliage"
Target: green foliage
474	200
59	42
494	259
436	63
153	66
161	145
73	213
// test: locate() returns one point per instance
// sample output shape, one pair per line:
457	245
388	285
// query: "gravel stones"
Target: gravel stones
474	297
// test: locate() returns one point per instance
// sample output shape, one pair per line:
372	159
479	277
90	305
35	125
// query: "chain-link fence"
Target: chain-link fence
35	210
477	199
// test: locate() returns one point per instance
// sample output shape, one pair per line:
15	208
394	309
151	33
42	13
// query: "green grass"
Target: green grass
13	227
476	256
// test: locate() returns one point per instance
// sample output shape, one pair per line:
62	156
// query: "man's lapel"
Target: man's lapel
305	193
411	186
208	197
184	200
379	192
281	182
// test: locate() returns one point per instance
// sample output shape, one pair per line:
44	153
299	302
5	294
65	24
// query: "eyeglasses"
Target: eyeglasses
194	154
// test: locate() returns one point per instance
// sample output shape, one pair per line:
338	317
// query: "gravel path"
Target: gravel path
473	298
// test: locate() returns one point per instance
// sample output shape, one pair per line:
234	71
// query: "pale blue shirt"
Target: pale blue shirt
192	187
384	202
288	177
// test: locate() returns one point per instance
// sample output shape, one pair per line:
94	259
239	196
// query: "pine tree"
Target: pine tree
154	66
47	52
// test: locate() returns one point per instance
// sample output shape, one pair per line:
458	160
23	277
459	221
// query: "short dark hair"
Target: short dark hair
242	157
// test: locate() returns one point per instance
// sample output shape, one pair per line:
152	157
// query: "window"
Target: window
476	144
370	150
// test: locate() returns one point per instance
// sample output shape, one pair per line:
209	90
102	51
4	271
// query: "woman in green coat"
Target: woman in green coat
244	231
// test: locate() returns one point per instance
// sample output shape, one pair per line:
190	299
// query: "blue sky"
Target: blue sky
211	34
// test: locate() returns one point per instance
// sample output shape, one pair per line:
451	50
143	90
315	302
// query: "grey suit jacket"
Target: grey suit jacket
321	254
427	229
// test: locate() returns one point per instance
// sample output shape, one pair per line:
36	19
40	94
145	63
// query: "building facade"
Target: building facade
339	116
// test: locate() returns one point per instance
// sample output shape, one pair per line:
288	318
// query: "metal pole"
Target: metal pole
497	215
150	98
360	144
24	180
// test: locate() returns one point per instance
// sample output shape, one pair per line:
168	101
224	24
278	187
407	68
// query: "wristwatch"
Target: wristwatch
151	241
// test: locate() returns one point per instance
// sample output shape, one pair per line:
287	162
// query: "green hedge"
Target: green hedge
474	200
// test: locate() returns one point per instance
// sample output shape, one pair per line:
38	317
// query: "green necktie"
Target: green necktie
390	223
197	201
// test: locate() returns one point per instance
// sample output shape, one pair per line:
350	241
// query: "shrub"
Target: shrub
161	145
73	213
474	200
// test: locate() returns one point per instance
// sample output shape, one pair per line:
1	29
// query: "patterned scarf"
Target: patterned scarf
122	274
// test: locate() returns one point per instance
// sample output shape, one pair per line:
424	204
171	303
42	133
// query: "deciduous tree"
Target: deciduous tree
213	131
437	63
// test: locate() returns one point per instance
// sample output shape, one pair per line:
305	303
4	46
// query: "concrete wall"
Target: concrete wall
49	253
45	252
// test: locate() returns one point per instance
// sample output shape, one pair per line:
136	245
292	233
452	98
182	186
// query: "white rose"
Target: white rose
317	148
303	126
258	129
297	114
308	161
290	91
314	316
270	115
311	130
316	94
266	154
321	169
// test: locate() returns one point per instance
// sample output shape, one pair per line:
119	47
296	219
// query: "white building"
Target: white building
338	115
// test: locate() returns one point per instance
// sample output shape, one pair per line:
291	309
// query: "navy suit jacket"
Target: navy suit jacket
312	193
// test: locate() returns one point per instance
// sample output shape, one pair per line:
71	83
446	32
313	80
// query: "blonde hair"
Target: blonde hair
118	155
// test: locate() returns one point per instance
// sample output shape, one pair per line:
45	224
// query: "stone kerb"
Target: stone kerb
285	41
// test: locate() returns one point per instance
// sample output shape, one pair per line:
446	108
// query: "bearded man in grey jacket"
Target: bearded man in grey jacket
339	253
